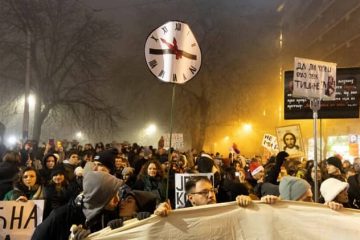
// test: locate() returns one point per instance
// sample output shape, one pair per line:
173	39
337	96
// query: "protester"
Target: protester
105	160
57	192
93	209
335	169
354	186
48	163
335	193
134	204
295	189
70	164
9	170
151	179
28	187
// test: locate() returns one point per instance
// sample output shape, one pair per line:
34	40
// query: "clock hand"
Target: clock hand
171	51
173	47
177	51
167	44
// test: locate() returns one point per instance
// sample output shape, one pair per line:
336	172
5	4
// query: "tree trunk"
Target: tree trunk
39	118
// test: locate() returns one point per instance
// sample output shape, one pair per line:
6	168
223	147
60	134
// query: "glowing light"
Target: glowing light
31	100
226	138
11	140
247	127
79	135
151	129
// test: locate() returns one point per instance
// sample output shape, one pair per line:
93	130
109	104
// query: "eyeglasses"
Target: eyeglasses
206	192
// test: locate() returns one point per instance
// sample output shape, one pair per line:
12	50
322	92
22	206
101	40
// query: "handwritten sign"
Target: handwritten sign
180	181
18	220
345	105
314	79
270	142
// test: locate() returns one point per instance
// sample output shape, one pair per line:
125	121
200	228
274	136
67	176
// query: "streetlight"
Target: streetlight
79	135
247	127
151	129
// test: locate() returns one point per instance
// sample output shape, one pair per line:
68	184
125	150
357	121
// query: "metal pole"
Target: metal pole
315	106
171	127
25	133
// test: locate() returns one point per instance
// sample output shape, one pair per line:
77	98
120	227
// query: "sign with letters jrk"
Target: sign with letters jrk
180	181
314	79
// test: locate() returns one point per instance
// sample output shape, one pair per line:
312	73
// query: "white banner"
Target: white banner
180	181
314	79
18	220
283	220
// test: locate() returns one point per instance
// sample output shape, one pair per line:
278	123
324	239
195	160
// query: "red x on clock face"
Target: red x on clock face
172	53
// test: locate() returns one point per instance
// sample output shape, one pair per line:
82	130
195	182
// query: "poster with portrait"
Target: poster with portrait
290	140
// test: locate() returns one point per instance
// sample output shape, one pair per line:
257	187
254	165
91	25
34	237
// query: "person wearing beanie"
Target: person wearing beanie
134	204
256	170
335	192
105	160
335	169
205	163
295	189
93	209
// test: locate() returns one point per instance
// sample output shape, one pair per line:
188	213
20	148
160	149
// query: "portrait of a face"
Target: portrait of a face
289	140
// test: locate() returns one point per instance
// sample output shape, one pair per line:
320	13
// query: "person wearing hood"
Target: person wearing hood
49	161
57	192
92	209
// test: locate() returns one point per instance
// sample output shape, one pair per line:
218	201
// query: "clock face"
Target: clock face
172	53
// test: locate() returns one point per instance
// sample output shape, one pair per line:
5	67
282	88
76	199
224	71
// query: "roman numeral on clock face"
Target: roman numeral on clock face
153	63
161	74
164	29
178	26
192	69
156	39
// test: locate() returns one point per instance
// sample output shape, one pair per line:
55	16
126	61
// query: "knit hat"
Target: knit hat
205	163
255	168
292	188
145	201
127	171
99	189
107	158
331	187
335	162
58	169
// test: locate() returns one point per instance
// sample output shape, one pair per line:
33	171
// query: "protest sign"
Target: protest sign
18	220
345	105
180	181
281	221
314	79
177	140
270	142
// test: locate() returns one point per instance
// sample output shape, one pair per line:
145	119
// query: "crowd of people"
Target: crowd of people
87	188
